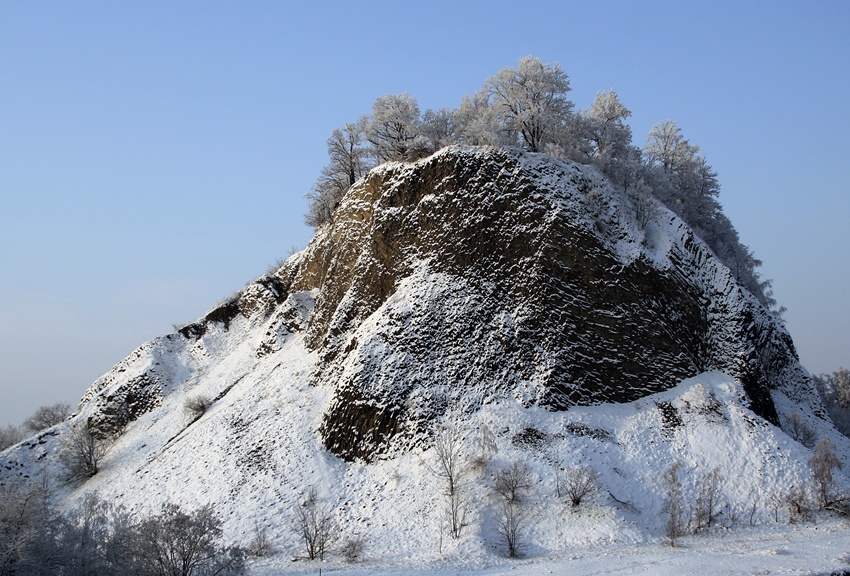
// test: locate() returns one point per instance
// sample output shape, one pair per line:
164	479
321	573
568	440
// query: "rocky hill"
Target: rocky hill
479	288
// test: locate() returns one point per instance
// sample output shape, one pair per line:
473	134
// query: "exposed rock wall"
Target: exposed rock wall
482	272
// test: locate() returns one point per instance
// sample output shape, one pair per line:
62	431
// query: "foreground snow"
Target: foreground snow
806	549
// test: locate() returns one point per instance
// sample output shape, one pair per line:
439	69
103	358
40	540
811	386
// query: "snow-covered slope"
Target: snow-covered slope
507	296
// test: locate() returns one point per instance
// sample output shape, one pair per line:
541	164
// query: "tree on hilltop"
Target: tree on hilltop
531	101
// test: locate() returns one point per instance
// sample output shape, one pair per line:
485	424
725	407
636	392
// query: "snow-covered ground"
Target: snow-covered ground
805	549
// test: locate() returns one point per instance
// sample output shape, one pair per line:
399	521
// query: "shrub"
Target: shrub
578	483
196	406
352	549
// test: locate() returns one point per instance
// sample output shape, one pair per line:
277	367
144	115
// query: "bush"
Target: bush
578	482
352	549
196	406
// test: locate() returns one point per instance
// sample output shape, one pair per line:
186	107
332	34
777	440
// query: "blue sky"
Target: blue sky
154	155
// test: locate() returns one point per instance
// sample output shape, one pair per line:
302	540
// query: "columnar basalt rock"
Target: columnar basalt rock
480	272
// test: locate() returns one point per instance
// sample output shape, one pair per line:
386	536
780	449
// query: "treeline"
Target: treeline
527	107
98	538
44	417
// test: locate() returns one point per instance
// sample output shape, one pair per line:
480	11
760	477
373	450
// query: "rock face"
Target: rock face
480	273
487	272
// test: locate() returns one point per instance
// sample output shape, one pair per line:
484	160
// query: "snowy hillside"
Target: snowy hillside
507	299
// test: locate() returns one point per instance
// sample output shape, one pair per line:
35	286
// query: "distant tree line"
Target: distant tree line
44	417
527	107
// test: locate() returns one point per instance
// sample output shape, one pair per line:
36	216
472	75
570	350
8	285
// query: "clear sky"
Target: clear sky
154	155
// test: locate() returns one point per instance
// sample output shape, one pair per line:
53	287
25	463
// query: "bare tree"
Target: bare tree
449	462
260	545
513	482
800	431
708	503
177	543
46	416
457	508
511	526
314	524
82	452
823	462
579	482
674	504
796	502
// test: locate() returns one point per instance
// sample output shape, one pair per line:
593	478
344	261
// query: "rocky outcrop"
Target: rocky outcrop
478	273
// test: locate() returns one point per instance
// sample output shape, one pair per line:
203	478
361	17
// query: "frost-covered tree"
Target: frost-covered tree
394	129
86	539
477	124
28	528
179	543
531	100
684	181
667	148
438	128
10	435
604	127
834	389
348	162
